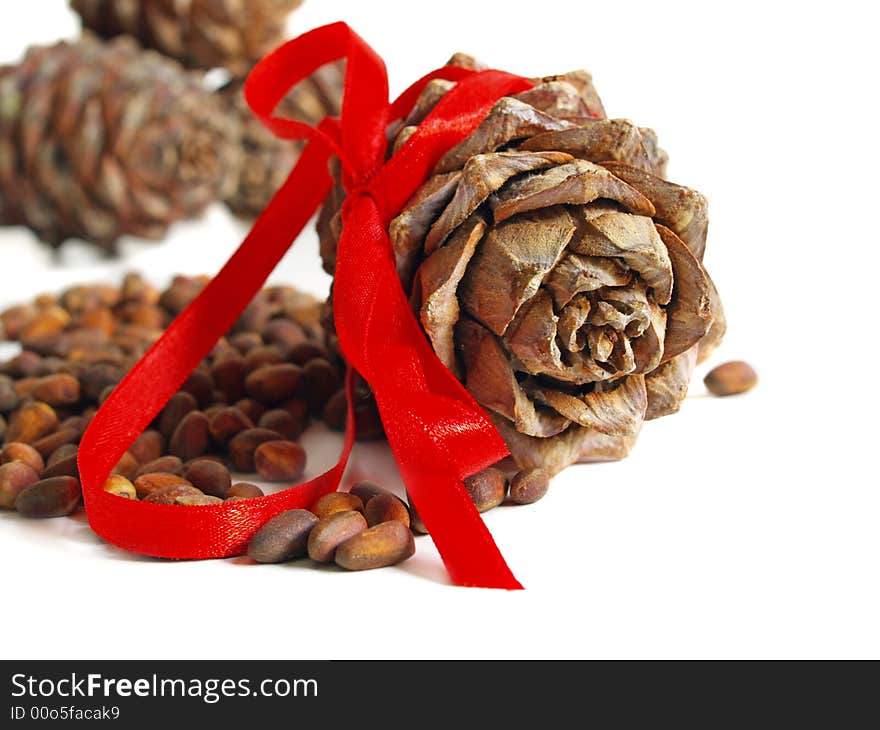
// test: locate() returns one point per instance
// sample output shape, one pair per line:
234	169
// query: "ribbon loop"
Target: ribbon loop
365	110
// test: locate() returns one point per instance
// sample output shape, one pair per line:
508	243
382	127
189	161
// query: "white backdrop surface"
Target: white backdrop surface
741	527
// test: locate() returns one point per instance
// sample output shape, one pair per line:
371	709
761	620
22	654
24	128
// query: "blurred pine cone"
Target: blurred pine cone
268	160
555	271
102	139
198	33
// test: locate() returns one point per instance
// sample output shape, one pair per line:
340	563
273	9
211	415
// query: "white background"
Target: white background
741	527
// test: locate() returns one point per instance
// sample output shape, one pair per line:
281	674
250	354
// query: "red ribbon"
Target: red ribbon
438	433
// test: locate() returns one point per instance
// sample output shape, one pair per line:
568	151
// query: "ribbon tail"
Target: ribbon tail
437	431
464	542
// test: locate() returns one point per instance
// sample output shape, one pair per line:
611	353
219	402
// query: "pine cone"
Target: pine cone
98	140
555	272
267	159
198	33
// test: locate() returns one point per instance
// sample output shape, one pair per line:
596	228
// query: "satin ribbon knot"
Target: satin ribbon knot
437	432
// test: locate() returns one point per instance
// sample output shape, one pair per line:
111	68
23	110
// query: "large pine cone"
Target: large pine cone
198	33
98	140
268	159
555	272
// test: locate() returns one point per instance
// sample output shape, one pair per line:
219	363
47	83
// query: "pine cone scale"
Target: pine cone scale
493	383
690	312
513	260
575	183
607	139
482	175
408	231
682	210
510	119
438	280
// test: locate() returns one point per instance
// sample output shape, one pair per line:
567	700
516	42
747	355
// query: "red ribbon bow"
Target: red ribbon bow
438	433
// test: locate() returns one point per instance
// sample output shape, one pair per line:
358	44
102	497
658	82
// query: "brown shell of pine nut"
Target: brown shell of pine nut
280	461
253	409
170	494
15	476
197	500
337	502
9	397
244	444
262	356
273	383
175	409
226	423
66	467
31	422
65	451
59	389
146	484
54	497
120	486
244	490
209	476
169	464
731	378
487	488
60	437
366	490
377	547
18	451
384	508
528	486
190	438
200	386
148	446
331	531
127	466
284	422
228	375
282	538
